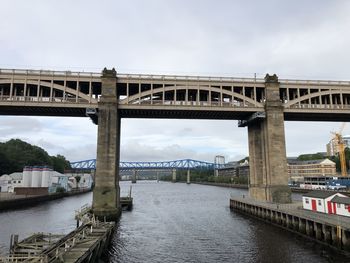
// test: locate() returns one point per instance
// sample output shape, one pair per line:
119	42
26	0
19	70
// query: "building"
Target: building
298	170
229	169
39	177
243	169
316	172
325	183
341	206
234	169
332	145
8	182
327	202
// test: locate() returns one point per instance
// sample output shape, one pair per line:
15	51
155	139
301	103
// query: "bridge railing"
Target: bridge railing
45	99
319	106
49	72
314	82
187	78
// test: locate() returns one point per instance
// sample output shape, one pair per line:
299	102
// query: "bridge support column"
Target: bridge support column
174	175
106	194
267	150
188	176
157	176
134	176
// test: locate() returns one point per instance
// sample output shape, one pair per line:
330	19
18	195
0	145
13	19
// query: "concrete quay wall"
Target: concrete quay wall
240	186
322	228
25	201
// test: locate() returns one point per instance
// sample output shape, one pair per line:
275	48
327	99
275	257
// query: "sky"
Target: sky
294	39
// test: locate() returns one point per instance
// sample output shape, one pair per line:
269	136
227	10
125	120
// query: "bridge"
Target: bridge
164	165
135	167
262	105
67	93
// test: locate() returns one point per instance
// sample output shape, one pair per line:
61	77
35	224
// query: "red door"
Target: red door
334	208
313	205
329	206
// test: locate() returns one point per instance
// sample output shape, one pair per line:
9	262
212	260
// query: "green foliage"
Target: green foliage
60	189
337	161
228	180
15	154
60	163
244	159
308	157
205	175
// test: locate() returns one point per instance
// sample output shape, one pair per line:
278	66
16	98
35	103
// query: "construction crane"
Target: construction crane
339	143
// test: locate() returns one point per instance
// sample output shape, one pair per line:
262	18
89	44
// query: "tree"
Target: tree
60	163
313	156
15	154
5	165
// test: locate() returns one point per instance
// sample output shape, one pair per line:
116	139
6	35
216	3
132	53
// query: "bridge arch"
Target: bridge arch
136	98
54	86
318	95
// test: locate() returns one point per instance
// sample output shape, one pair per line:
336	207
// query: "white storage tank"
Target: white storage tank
27	176
46	177
36	176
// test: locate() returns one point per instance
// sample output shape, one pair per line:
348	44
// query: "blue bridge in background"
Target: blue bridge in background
163	165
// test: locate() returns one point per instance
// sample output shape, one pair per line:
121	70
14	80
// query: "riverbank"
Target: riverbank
244	186
239	186
329	230
15	202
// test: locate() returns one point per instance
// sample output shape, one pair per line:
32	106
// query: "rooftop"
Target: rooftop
319	194
341	200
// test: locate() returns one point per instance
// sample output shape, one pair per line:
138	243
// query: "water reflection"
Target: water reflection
175	223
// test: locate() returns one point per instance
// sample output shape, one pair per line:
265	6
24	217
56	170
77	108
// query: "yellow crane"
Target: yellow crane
339	143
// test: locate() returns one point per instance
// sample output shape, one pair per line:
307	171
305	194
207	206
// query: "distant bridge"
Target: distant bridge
163	165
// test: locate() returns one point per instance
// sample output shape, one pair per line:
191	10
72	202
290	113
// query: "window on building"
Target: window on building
319	202
306	200
338	205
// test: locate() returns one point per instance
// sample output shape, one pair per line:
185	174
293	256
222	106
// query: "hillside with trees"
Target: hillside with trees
15	154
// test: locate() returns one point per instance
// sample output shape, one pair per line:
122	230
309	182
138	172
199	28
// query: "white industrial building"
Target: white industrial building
39	176
9	181
327	202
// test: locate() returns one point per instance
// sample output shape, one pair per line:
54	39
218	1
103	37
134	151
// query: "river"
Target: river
175	223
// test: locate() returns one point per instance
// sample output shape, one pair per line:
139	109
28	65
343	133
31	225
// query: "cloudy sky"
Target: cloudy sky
294	39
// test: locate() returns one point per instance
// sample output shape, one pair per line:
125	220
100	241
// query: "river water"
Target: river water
175	223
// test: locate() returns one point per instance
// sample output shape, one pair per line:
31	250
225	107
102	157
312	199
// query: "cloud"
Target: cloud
227	38
11	127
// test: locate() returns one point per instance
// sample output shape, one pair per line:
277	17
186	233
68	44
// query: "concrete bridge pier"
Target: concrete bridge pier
134	176
174	176
188	176
106	194
268	179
